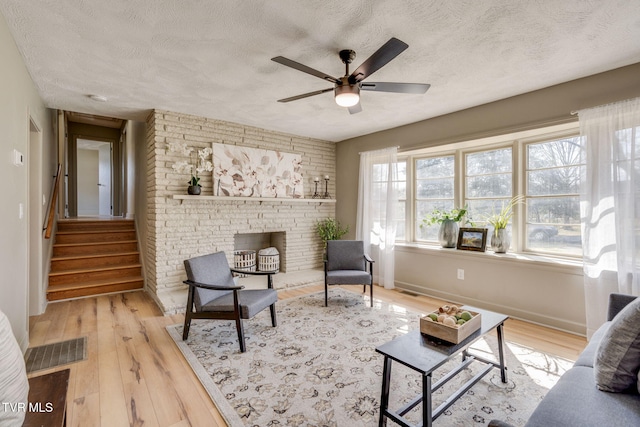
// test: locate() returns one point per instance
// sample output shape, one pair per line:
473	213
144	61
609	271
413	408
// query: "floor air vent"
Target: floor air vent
56	354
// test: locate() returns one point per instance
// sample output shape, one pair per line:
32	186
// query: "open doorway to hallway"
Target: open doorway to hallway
94	167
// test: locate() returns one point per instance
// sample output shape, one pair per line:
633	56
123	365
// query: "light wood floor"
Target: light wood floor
135	375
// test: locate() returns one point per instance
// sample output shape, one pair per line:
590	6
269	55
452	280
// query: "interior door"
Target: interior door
94	177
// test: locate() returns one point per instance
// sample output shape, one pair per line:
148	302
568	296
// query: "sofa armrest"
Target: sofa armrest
498	423
617	302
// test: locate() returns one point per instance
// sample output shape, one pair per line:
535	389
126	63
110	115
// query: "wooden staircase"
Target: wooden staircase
94	256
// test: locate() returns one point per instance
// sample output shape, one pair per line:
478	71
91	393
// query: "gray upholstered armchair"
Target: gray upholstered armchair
346	264
214	294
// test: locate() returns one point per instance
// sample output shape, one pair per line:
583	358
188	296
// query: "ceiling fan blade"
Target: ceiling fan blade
355	109
379	59
305	95
417	88
300	67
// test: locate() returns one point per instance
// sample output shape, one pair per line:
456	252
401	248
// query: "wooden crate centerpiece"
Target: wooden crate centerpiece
453	330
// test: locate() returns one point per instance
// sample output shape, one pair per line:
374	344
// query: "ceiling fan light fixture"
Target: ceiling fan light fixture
347	95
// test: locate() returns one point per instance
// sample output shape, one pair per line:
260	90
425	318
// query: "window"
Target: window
484	175
379	188
488	183
401	207
434	190
553	170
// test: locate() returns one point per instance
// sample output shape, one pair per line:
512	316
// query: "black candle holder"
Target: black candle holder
326	189
316	195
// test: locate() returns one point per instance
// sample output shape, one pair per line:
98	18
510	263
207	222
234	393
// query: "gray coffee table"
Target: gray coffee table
426	354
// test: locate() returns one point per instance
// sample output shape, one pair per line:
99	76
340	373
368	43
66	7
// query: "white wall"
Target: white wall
19	100
134	137
523	287
136	149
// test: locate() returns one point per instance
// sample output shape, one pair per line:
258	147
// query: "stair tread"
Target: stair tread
93	283
101	255
118	242
92	269
95	222
76	232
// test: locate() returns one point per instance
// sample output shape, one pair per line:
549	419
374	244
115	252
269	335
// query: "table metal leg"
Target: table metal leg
427	404
384	399
503	368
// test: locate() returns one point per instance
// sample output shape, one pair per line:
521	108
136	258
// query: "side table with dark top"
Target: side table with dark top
48	400
426	354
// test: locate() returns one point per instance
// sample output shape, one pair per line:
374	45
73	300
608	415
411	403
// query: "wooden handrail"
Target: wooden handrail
52	204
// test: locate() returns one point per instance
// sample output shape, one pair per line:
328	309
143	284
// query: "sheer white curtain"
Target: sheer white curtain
610	205
376	222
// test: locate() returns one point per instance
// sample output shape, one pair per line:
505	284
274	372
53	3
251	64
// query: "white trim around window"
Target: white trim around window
518	142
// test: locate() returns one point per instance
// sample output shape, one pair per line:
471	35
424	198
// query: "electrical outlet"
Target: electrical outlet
460	274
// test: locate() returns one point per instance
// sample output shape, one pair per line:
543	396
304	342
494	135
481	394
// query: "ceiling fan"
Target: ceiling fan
347	89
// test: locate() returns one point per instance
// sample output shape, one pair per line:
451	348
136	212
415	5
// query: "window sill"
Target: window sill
532	260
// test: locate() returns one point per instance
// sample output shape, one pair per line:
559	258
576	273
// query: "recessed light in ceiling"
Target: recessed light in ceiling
98	98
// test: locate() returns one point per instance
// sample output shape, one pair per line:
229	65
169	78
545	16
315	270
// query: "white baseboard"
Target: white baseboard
528	316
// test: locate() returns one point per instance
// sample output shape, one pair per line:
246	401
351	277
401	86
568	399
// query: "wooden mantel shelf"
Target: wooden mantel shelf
252	199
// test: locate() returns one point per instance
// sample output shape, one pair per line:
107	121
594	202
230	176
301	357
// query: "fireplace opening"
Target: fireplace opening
257	241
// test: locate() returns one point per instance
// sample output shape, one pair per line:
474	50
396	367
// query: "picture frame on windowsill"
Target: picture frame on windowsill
472	239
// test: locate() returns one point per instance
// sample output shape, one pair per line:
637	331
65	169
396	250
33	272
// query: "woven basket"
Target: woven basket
269	262
245	261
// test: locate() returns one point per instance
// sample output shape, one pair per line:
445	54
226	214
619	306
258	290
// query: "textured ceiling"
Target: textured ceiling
212	58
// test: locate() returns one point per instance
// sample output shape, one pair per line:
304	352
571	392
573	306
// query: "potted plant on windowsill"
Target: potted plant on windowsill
448	220
501	238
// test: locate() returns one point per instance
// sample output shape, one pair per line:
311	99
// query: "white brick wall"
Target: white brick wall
180	229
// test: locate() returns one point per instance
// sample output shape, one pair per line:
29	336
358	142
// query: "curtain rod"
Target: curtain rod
380	149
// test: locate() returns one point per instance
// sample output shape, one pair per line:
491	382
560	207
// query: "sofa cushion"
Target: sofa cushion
588	355
574	401
618	356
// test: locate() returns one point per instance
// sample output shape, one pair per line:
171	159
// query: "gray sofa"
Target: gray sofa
576	401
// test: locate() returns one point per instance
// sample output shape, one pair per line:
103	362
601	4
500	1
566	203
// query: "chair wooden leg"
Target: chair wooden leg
371	293
185	328
326	294
187	314
274	321
243	347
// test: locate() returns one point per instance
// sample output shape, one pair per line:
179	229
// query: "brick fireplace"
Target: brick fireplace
181	226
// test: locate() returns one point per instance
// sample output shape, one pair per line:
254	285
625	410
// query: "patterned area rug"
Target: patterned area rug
319	367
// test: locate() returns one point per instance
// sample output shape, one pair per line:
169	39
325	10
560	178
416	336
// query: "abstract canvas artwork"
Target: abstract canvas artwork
254	172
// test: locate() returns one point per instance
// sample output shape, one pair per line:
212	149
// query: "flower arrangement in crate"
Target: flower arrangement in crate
198	163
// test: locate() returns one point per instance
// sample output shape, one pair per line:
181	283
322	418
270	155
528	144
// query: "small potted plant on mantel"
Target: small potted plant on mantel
448	220
501	238
197	163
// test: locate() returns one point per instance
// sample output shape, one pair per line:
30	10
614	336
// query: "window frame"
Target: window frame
524	143
518	143
493	147
414	188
